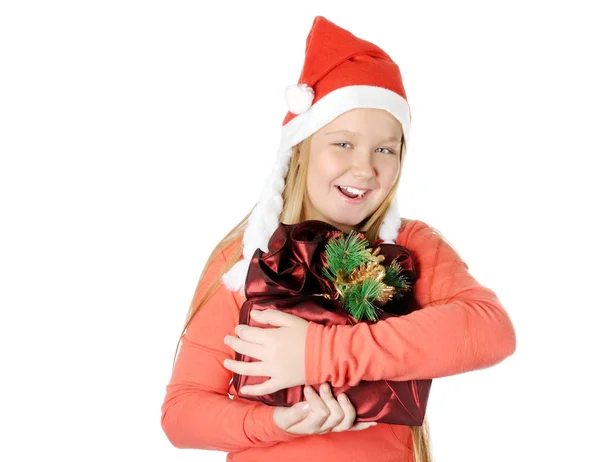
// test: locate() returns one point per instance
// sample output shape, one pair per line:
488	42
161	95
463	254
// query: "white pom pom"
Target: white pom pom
299	98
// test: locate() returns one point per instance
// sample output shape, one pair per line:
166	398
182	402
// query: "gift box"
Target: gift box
290	277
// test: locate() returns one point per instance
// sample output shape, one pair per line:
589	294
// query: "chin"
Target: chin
344	221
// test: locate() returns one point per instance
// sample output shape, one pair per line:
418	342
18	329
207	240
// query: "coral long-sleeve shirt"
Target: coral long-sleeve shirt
459	326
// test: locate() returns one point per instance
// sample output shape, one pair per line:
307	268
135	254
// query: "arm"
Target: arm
460	326
197	412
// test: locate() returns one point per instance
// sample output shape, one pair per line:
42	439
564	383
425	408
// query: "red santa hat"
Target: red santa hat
341	72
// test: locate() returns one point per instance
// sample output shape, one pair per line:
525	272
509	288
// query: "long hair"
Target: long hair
294	211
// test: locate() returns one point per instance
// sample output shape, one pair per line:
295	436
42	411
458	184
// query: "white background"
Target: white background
134	135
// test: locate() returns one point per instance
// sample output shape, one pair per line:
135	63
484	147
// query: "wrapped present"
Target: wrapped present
316	272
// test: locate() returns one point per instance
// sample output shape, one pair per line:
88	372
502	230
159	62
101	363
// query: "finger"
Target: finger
274	317
287	417
336	414
256	335
319	410
361	426
251	369
246	348
349	414
265	388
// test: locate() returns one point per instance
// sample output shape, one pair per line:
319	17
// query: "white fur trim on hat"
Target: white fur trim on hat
342	100
388	231
263	221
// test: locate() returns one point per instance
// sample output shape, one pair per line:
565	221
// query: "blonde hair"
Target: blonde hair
294	206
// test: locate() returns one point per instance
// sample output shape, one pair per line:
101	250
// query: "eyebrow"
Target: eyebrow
348	132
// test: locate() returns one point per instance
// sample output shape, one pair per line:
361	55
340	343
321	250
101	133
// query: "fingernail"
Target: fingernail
305	407
344	399
238	329
255	313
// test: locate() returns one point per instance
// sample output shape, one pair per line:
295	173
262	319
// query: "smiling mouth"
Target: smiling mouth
351	192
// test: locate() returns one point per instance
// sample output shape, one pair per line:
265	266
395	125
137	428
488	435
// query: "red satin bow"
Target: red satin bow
289	278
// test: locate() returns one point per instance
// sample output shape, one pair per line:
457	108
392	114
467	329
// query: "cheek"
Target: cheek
323	169
388	170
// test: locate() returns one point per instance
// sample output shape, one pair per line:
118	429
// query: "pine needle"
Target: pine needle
359	300
345	253
395	279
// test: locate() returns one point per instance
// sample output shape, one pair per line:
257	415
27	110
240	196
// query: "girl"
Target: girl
343	144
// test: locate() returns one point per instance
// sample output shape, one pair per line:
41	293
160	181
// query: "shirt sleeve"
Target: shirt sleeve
458	326
197	411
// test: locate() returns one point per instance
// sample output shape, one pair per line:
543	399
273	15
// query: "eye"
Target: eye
341	145
387	151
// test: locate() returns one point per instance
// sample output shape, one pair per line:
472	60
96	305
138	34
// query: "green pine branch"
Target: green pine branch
345	253
359	299
395	279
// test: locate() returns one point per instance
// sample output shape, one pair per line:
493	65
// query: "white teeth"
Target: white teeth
360	192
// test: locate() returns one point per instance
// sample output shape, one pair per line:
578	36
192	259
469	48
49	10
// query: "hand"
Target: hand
323	414
279	352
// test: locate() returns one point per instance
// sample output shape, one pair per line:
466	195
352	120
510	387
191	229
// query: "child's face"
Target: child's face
360	149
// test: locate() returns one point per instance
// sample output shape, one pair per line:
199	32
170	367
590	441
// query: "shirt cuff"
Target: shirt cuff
272	432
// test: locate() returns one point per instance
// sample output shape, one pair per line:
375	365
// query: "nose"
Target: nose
362	165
